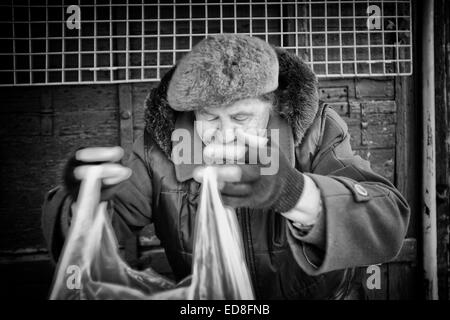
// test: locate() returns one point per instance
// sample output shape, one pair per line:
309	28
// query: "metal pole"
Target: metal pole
429	222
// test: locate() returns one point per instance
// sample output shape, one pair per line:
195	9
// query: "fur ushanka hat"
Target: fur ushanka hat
222	69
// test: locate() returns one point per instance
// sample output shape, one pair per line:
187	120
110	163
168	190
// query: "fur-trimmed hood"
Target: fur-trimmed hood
297	97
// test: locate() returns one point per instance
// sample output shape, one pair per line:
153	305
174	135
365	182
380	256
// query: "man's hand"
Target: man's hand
243	185
112	172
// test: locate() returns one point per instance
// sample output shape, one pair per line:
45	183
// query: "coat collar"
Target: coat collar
186	121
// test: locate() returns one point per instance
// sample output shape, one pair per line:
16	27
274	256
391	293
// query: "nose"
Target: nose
226	132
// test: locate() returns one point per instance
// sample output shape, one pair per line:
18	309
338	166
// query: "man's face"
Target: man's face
220	124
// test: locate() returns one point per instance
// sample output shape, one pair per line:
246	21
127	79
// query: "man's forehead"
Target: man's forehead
244	105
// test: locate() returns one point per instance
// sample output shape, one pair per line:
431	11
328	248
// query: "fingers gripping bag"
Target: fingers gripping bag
90	266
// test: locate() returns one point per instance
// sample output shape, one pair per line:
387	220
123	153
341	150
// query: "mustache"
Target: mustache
223	138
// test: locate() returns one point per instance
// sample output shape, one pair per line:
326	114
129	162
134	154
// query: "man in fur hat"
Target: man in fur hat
305	227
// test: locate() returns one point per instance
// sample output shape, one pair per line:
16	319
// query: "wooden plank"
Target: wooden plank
126	117
20	100
342	108
47	113
403	284
21	228
29	280
375	88
39	151
375	293
348	83
23	255
397	279
442	103
375	137
20	124
88	123
140	93
84	98
407	162
126	142
373	106
382	161
379	132
330	94
31	122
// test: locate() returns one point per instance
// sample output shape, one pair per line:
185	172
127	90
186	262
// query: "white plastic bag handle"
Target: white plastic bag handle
83	218
231	271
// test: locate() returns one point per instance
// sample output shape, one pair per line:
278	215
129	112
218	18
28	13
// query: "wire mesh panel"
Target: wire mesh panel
127	41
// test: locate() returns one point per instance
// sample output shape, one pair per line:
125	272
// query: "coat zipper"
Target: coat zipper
247	240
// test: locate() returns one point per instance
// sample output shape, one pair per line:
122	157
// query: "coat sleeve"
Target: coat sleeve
131	204
364	218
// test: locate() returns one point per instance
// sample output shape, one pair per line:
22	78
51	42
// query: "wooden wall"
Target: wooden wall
442	101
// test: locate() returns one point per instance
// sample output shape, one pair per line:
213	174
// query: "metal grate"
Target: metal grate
128	41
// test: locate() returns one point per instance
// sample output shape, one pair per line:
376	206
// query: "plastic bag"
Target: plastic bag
91	268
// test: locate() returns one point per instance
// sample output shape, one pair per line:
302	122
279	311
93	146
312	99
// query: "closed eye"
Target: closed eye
208	116
240	117
211	118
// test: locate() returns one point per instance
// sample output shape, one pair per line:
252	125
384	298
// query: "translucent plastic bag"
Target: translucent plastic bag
90	266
